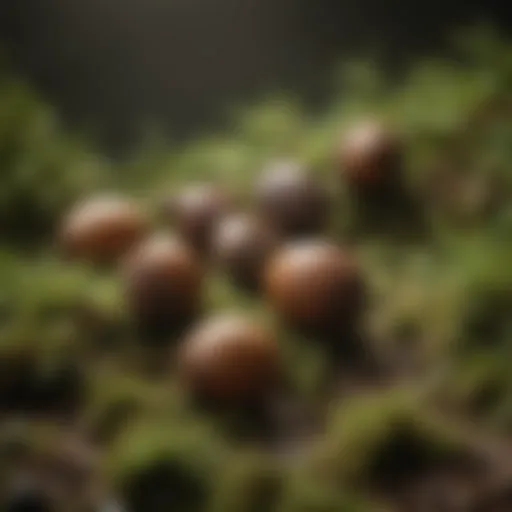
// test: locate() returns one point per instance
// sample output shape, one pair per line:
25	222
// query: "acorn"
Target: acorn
316	286
242	244
101	229
229	359
195	210
163	282
369	156
291	200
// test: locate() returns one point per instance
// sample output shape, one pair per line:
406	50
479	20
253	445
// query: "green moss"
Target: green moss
166	463
250	483
386	438
43	169
308	491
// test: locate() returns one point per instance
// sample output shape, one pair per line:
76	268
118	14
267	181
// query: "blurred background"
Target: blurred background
116	68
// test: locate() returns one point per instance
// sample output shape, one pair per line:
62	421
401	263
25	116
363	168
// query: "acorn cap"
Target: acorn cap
242	244
163	280
291	200
229	358
315	285
101	229
195	210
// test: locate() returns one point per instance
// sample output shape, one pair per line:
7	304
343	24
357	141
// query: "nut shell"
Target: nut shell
229	358
242	244
316	286
102	229
195	211
163	281
291	200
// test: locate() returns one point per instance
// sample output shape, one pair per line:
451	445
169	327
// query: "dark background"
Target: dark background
112	66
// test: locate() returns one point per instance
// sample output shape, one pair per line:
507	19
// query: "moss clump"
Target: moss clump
164	464
250	483
43	169
387	441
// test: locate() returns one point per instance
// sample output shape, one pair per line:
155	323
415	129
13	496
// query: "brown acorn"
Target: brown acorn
369	156
316	286
229	358
291	200
102	229
163	280
242	243
195	210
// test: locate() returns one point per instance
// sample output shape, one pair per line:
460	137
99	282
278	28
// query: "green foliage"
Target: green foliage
43	170
371	437
249	483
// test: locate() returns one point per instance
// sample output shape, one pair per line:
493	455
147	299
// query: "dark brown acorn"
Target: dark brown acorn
195	211
229	359
369	156
163	282
315	286
101	229
292	201
242	244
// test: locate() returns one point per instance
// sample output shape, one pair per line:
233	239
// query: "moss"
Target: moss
478	386
166	463
387	440
43	169
306	491
33	384
250	483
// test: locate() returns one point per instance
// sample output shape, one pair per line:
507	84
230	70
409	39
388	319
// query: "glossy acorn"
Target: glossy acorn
242	243
163	281
315	286
229	359
369	155
101	229
195	211
292	200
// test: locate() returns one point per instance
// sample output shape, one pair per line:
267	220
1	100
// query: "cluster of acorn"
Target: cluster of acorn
277	249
